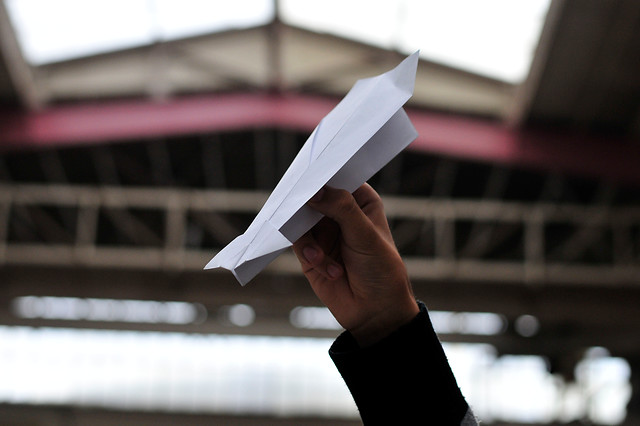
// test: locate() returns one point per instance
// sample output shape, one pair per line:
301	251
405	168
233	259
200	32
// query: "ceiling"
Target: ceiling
515	198
581	95
482	137
273	57
586	73
583	75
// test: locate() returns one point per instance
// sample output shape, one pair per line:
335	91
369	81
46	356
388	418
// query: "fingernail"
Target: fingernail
334	271
310	253
318	195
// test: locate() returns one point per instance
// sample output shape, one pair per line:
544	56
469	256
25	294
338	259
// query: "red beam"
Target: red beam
113	121
610	158
455	136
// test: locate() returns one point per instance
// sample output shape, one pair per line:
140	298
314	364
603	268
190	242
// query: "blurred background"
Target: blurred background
139	137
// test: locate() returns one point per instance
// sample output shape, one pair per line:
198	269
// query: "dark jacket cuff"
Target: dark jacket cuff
403	379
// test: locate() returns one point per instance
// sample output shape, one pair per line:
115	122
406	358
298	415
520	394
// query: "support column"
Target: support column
633	407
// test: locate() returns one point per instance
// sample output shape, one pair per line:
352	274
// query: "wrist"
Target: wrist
384	323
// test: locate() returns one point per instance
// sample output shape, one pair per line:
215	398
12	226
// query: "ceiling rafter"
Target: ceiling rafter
518	112
440	134
176	207
20	73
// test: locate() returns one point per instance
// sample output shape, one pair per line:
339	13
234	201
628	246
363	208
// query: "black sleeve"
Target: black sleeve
404	379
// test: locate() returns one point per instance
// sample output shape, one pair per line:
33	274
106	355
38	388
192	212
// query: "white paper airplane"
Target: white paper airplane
353	142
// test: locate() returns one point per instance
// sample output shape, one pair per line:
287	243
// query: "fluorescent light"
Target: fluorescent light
313	317
240	315
444	322
108	310
527	325
476	323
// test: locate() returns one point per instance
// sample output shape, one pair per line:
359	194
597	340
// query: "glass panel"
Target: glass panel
51	31
495	38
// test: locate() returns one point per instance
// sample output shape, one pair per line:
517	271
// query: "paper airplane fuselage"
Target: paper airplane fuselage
353	142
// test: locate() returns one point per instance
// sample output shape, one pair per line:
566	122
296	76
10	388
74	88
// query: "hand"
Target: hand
353	265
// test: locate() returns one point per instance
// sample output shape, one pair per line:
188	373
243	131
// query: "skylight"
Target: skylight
495	38
51	31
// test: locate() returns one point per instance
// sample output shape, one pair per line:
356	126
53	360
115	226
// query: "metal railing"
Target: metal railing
180	229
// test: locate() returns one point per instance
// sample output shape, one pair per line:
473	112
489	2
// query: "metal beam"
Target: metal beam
165	247
440	134
518	112
20	72
582	77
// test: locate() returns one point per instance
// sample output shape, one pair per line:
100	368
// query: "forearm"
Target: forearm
403	379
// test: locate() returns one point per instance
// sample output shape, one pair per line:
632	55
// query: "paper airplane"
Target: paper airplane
353	142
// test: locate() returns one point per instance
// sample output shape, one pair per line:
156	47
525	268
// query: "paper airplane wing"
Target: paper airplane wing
352	143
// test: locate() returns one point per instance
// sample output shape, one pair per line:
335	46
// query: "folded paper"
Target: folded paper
353	142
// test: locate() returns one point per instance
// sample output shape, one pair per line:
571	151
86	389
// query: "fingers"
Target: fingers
314	260
371	204
357	229
361	222
365	195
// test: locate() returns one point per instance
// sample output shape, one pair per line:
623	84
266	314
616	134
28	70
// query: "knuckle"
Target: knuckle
345	204
376	203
